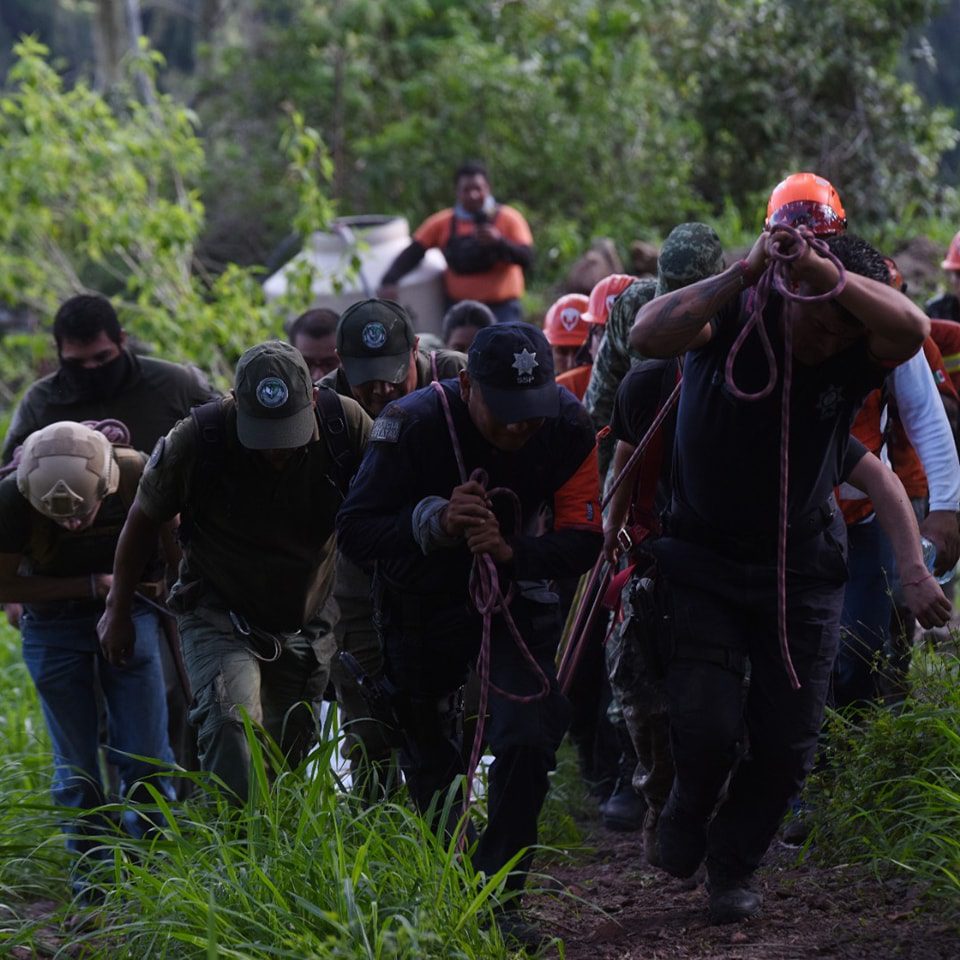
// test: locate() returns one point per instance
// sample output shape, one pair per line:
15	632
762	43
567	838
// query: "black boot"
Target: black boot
624	809
732	898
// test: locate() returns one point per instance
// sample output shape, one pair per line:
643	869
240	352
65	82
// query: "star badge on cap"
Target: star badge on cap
524	363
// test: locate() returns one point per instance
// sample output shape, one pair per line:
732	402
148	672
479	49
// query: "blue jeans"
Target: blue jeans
64	660
865	622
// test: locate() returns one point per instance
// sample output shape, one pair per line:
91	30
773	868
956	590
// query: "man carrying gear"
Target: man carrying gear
772	380
487	247
380	361
257	478
60	517
455	477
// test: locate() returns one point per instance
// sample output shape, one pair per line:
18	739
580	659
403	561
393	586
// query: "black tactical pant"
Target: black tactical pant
724	614
429	649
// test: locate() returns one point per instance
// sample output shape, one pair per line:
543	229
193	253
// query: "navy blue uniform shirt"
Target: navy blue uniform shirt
410	457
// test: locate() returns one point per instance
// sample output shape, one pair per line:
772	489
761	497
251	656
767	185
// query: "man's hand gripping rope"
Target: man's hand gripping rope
484	585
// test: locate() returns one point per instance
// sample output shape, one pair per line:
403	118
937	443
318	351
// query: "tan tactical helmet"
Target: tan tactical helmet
66	469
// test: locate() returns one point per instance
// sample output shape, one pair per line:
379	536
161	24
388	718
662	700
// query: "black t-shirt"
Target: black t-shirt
641	394
727	454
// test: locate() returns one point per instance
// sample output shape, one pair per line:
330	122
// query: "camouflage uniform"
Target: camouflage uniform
613	360
691	252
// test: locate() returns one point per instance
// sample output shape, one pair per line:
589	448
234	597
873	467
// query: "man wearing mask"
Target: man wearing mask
100	378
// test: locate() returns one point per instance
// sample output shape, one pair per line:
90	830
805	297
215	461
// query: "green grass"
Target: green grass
303	871
890	794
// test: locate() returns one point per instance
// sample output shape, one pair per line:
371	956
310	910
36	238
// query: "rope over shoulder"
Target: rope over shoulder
776	276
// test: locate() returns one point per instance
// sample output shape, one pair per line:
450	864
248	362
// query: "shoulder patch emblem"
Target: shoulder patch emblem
386	429
157	454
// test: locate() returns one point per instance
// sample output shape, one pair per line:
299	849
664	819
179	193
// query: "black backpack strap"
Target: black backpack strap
211	453
333	429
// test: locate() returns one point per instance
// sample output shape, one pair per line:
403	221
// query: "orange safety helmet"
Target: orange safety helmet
603	295
953	254
564	325
807	200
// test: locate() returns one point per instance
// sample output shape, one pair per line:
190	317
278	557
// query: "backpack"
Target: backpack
212	451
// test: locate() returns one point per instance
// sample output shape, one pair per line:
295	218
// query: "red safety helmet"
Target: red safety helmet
953	255
806	200
564	325
603	294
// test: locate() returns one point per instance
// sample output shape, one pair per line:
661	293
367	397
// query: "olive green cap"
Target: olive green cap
275	409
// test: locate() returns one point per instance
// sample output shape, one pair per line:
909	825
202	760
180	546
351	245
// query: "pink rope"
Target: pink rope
489	600
777	276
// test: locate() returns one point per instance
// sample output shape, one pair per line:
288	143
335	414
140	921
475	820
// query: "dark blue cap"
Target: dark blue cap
512	363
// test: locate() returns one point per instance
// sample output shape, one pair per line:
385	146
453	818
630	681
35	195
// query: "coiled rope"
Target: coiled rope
776	276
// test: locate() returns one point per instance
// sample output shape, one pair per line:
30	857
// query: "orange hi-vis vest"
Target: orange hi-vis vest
879	429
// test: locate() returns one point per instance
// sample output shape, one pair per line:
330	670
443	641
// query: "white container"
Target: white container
376	241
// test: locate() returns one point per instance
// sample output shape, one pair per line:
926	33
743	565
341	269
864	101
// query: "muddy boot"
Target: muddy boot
732	899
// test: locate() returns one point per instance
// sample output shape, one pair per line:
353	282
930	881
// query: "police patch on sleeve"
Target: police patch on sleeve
386	429
157	454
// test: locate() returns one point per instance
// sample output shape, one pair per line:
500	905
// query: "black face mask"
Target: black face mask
97	383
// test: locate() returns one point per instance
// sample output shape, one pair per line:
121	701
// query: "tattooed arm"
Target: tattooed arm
676	322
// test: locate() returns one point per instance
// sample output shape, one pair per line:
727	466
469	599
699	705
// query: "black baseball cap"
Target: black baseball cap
512	363
274	394
374	340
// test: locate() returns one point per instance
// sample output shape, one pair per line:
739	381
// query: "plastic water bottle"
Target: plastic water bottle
930	559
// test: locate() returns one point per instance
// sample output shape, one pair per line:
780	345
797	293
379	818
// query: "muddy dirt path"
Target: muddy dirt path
809	912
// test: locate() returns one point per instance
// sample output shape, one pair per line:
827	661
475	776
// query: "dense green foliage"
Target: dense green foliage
890	793
618	118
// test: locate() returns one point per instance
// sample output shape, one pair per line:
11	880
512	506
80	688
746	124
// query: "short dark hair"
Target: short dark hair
471	168
82	319
466	313
319	322
857	256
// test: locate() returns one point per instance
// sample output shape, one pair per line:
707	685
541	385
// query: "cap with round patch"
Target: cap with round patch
374	340
274	398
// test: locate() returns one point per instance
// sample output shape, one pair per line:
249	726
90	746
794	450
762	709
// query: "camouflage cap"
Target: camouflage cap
66	469
691	252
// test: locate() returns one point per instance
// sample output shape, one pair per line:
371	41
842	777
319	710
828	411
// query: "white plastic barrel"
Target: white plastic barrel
376	240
